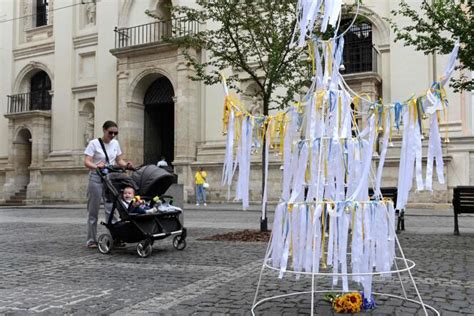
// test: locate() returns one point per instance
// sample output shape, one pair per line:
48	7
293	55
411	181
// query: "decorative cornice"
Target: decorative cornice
29	114
135	105
85	40
82	89
384	48
34	50
363	76
45	29
143	49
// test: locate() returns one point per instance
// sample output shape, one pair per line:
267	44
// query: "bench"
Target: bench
391	193
463	203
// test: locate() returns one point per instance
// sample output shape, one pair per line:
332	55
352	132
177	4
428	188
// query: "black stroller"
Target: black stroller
149	181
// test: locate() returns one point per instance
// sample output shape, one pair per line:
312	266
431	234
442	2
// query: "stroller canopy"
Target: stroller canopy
153	180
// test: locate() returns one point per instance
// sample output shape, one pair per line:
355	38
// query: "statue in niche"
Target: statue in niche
89	130
90	13
255	108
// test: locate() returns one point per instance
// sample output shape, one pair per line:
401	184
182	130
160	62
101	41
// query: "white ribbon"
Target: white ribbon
295	232
368	148
434	152
343	237
357	242
287	154
300	170
418	165
391	232
277	234
227	170
286	244
386	135
332	232
451	64
242	192
381	238
405	172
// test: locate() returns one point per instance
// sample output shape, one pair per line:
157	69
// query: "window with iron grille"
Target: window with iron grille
41	12
358	54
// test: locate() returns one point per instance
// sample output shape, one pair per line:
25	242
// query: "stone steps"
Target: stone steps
17	199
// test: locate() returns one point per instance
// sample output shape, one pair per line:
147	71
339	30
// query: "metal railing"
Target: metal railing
30	101
154	32
360	59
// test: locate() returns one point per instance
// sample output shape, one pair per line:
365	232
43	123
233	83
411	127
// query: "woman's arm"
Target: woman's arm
89	164
122	163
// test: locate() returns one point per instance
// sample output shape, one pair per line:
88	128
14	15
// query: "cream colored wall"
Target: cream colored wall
6	32
212	107
106	101
137	14
62	110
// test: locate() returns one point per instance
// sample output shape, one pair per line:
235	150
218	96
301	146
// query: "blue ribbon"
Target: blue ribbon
398	112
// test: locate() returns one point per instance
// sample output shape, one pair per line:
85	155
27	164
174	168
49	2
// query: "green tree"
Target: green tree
435	28
253	40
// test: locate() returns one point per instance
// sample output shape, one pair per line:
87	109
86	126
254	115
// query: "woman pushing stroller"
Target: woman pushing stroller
100	153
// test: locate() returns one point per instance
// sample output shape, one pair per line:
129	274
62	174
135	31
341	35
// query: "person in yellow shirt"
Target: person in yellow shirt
199	180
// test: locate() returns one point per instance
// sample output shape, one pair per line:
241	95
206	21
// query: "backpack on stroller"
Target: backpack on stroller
150	182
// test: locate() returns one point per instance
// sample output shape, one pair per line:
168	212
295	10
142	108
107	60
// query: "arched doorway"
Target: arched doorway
40	85
159	122
22	154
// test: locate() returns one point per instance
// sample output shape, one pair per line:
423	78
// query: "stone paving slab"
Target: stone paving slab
45	269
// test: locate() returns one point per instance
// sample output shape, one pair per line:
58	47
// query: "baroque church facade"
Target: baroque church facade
70	65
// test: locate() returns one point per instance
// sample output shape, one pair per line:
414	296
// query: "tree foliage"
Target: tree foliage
252	38
435	28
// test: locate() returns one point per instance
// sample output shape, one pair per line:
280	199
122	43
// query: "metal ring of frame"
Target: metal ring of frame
411	266
330	290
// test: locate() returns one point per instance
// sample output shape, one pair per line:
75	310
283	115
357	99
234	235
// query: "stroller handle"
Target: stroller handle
115	169
109	169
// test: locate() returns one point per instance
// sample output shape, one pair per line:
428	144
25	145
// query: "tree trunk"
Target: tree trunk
263	218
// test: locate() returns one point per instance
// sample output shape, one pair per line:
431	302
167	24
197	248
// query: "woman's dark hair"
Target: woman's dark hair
109	124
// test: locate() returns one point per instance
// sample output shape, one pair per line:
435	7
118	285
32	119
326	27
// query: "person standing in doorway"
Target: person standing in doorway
162	162
100	153
199	180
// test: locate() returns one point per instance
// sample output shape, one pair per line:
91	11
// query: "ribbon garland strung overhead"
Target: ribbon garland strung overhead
329	115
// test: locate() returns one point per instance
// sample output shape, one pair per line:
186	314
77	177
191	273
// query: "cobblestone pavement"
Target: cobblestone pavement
45	269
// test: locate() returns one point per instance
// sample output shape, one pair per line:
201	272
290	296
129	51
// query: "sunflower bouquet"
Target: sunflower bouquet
351	303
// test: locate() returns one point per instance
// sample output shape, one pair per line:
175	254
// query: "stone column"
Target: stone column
130	121
41	147
187	122
9	188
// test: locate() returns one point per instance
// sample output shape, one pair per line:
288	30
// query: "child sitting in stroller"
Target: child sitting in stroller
137	205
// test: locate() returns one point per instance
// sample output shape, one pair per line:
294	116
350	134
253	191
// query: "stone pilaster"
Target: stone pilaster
40	150
187	121
10	187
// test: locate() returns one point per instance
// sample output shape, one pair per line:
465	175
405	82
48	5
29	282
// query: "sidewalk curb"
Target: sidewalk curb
235	207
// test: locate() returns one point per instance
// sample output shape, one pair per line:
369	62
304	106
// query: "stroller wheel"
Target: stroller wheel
105	243
179	242
144	248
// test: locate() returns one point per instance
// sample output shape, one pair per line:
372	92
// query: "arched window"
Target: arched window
40	85
359	54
